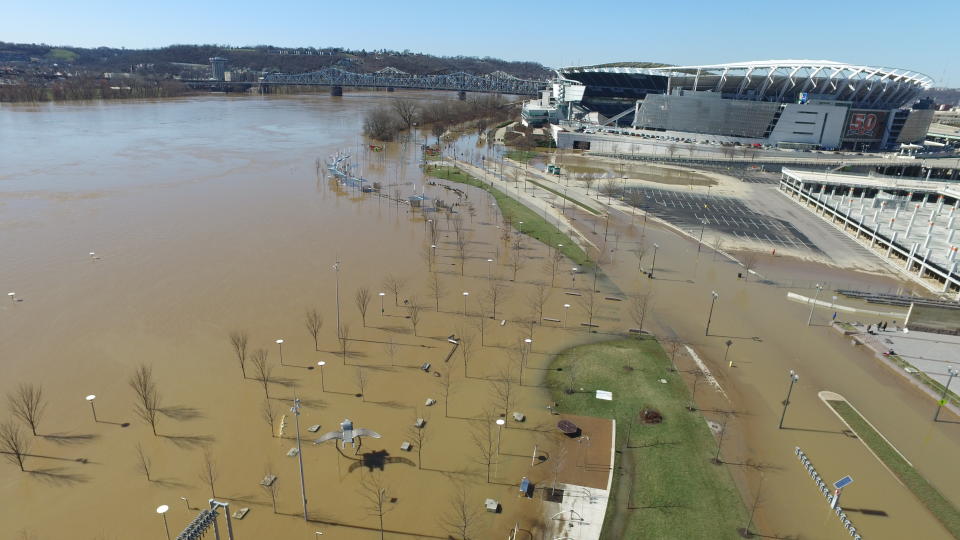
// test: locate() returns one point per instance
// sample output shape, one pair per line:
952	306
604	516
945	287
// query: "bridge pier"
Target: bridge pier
336	91
462	95
389	89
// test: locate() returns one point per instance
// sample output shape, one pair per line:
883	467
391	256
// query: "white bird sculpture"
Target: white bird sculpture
347	434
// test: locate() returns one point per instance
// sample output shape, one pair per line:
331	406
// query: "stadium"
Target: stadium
788	104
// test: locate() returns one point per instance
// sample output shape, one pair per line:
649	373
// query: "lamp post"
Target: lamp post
279	343
162	510
566	308
489	263
336	268
433	255
524	354
653	263
90	399
573	277
728	343
303	492
521	227
381	295
814	303
703	225
500	423
186	502
793	379
713	301
13	296
321	364
465	295
951	373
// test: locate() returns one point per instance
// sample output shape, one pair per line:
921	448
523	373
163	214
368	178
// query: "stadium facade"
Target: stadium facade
795	104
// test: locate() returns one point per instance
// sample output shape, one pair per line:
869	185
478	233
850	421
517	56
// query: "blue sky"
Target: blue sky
911	35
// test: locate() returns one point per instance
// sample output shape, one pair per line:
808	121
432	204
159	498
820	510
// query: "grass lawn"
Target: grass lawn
557	193
938	505
677	492
522	156
534	225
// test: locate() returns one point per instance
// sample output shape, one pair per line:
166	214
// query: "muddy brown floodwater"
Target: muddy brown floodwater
207	216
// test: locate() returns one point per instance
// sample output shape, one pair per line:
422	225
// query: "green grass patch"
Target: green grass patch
534	225
61	55
557	193
522	156
677	492
938	505
927	380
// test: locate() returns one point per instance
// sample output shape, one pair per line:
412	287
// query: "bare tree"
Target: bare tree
406	110
14	445
496	292
749	261
374	493
672	149
344	341
640	251
415	309
269	416
466	345
362	299
262	370
462	241
208	471
502	386
516	260
638	308
314	322
418	435
589	303
143	462
461	519
239	341
717	245
148	397
395	285
589	180
27	404
609	189
537	298
446	386
273	488
485	439
362	381
391	348
436	288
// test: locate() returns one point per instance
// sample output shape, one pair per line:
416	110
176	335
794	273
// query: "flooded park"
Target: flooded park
205	241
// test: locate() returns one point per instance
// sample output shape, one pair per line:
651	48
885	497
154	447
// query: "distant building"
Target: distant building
218	68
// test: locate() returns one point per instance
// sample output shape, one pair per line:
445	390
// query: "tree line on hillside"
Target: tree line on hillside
80	88
265	57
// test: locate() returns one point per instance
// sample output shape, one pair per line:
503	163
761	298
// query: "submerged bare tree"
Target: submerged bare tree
537	298
406	110
269	416
143	462
516	260
344	341
362	381
391	348
418	435
14	445
147	404
485	439
27	404
362	299
446	386
415	309
589	303
496	292
239	341
749	261
638	308
374	493
466	344
436	288
208	471
462	517
262	370
395	285
502	386
314	322
274	486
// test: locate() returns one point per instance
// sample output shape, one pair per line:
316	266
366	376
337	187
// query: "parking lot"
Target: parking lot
724	215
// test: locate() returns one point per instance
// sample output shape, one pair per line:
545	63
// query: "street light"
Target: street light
90	399
814	303
713	301
728	343
489	262
186	502
943	399
521	227
303	493
381	295
524	354
653	263
566	307
573	277
162	510
500	423
321	364
279	343
465	295
793	379
703	225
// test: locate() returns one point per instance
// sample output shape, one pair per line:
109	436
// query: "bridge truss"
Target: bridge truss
496	82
